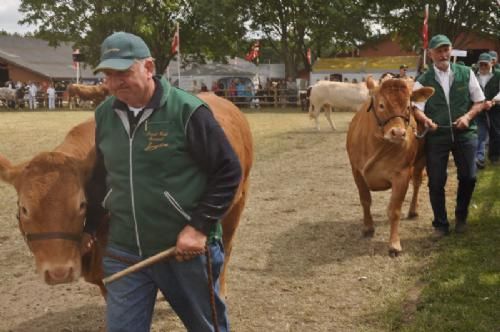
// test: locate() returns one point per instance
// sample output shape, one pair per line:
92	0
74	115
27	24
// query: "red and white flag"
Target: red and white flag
425	28
254	52
176	42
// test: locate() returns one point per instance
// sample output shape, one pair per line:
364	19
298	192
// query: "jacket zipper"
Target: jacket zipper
105	200
132	193
176	205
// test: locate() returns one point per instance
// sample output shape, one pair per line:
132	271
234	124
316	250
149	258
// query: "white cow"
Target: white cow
8	94
329	95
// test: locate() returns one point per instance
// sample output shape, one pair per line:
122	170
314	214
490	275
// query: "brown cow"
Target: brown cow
384	151
52	203
94	93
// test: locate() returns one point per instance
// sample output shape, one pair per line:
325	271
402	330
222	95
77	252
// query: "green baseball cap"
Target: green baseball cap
484	57
439	40
493	54
120	50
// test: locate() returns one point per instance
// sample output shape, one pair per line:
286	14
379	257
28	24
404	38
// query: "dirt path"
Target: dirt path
299	262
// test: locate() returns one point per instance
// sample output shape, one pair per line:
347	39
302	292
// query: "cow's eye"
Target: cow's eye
24	211
83	206
381	106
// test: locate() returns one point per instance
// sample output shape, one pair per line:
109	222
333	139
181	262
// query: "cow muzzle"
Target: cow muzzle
61	274
395	134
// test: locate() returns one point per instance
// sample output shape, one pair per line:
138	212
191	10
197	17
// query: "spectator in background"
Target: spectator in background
203	87
33	90
489	80
402	71
215	88
231	91
51	95
494	60
195	88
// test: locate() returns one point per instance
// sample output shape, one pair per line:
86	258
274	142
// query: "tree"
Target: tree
292	26
87	23
450	17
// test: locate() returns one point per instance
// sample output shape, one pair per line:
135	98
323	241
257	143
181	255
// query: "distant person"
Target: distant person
494	60
51	95
195	88
203	87
33	90
402	71
489	122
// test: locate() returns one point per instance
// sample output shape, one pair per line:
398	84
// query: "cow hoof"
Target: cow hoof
412	215
394	252
368	233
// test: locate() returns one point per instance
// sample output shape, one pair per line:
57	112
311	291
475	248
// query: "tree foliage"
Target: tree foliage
449	17
293	26
214	29
206	29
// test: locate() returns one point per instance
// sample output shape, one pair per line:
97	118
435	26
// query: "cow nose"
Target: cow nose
59	275
398	132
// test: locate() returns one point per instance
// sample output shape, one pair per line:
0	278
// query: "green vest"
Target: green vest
153	183
437	109
492	88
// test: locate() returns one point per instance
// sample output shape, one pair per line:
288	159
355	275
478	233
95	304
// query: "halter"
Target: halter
383	123
29	237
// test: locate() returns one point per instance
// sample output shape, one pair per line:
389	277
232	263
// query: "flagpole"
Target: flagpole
426	18
179	56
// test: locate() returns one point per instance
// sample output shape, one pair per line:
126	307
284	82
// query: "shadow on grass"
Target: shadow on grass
300	250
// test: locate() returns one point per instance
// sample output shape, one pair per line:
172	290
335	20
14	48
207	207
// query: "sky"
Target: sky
9	16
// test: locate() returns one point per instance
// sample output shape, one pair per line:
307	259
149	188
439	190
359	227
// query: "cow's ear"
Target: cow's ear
8	172
371	84
87	165
422	94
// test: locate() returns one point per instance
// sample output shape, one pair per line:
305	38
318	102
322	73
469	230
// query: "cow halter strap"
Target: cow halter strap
29	237
382	123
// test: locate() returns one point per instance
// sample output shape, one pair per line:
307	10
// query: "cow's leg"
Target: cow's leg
328	111
417	175
365	198
229	225
314	115
400	184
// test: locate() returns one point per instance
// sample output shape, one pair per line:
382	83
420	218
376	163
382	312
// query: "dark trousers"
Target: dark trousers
494	145
437	162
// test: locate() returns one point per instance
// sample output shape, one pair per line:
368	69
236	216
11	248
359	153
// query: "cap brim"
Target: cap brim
484	61
114	64
441	44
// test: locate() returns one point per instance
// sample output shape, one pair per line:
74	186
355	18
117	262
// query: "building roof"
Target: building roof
36	55
216	69
365	64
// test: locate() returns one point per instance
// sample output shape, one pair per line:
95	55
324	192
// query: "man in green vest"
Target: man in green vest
168	174
488	122
457	100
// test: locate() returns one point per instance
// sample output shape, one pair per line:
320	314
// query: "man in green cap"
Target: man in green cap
489	123
167	174
449	114
494	60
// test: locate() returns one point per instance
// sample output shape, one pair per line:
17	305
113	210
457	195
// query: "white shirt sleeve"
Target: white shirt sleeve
476	93
421	105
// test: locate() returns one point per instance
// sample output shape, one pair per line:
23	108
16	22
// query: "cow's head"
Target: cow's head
51	210
391	106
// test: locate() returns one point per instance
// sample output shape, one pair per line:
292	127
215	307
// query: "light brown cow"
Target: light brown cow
94	93
52	203
384	151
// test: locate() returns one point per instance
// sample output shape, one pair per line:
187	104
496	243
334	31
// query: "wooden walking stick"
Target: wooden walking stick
139	266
